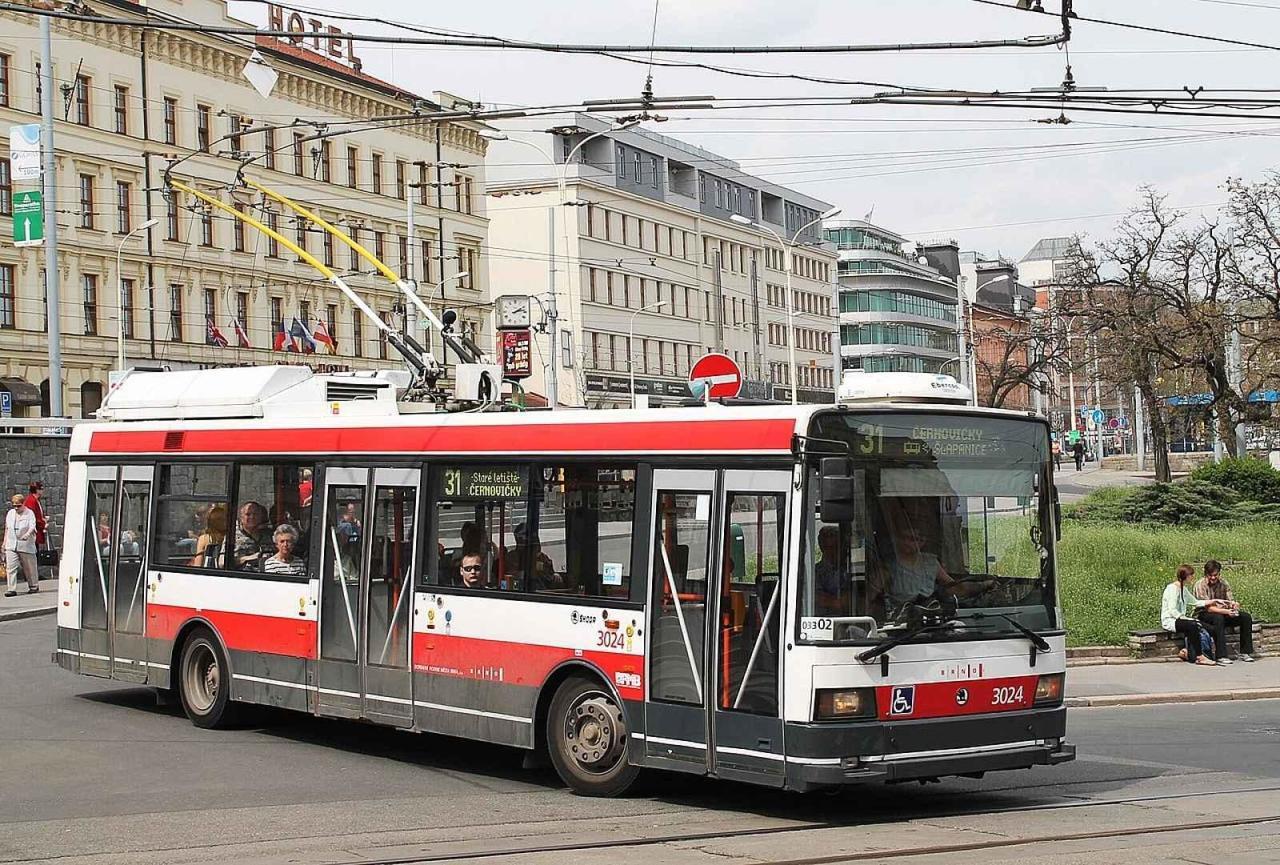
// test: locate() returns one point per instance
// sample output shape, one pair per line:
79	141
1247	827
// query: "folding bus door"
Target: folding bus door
369	531
682	551
113	574
746	724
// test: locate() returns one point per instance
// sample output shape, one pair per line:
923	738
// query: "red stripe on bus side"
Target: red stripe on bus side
517	663
939	699
651	436
274	635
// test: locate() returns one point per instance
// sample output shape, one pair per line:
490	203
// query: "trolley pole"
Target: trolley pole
50	183
411	270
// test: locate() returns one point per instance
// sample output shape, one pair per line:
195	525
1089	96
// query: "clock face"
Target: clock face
513	311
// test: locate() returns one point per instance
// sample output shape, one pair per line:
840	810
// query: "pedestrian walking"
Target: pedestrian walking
20	547
1056	447
1077	450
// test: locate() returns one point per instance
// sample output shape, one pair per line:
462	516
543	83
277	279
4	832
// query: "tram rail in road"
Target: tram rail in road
601	844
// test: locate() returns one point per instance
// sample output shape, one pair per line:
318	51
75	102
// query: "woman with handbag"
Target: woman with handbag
20	547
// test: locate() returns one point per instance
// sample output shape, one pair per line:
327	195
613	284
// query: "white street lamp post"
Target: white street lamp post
120	289
561	169
787	249
631	338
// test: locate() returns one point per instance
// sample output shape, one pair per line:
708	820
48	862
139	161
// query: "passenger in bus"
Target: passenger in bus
253	536
542	570
104	531
210	546
471	571
474	541
305	489
832	580
284	561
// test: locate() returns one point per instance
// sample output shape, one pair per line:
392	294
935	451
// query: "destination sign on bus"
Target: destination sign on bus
910	437
466	482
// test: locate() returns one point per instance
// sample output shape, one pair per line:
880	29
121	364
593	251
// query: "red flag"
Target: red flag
280	338
241	337
320	333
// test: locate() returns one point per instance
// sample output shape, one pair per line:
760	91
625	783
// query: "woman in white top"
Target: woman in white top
1174	619
284	561
20	547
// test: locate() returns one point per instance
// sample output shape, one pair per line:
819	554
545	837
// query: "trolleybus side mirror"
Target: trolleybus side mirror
839	490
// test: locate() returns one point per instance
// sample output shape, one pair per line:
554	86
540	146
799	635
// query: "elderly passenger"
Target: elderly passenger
284	561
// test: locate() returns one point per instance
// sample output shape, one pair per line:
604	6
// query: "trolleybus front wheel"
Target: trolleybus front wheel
587	739
204	682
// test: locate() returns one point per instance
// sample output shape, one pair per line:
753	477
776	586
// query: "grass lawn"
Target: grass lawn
1111	576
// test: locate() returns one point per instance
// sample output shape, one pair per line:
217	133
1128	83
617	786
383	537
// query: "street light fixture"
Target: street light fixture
787	250
120	287
553	387
631	338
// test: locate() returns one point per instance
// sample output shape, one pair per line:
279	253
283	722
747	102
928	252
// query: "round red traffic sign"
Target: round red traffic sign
715	376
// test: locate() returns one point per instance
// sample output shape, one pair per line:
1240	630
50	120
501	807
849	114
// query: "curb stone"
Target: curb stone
1181	697
13	615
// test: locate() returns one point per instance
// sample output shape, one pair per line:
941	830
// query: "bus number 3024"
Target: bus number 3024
611	639
1007	696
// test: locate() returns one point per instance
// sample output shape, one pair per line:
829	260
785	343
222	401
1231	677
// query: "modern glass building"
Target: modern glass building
897	309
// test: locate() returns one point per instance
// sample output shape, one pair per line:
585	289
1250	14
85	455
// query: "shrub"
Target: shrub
1253	479
1189	503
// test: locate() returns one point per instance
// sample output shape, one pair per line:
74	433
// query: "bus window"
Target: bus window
579	542
340	595
479	511
97	554
682	557
192	516
273	503
749	615
391	561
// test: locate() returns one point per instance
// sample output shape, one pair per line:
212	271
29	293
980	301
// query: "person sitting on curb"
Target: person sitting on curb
1222	612
1175	602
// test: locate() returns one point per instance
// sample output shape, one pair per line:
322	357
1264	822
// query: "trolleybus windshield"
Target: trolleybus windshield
953	514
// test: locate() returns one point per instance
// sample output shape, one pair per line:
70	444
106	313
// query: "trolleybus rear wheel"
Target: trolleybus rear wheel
587	739
204	682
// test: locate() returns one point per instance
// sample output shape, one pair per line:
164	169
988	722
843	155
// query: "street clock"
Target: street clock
512	311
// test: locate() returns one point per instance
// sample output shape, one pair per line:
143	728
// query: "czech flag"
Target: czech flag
241	337
321	334
213	336
280	339
301	337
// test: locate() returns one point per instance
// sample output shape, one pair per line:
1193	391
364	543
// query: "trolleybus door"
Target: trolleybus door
369	531
113	574
682	553
746	727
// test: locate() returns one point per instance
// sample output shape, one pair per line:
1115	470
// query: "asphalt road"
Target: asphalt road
94	771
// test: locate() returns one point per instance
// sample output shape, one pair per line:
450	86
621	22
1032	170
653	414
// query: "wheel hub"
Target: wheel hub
594	733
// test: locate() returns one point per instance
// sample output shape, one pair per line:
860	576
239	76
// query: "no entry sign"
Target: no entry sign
715	376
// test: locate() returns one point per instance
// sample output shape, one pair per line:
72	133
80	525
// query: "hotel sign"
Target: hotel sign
313	34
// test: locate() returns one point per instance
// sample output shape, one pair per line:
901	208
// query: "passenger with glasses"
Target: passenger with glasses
471	571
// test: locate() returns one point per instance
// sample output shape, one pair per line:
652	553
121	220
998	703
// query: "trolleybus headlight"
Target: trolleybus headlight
833	704
1049	689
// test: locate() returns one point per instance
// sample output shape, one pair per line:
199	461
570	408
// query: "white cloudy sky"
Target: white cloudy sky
923	170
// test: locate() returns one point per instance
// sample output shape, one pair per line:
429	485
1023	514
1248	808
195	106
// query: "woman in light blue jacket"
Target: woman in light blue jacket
1174	619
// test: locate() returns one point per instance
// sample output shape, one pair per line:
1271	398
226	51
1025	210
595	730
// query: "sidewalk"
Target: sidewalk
1147	684
43	603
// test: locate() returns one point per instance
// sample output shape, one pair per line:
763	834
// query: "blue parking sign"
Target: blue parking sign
6	404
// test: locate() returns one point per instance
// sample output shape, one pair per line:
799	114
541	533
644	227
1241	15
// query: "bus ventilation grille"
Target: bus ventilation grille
345	391
173	440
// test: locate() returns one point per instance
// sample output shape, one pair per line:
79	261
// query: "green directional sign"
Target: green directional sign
28	218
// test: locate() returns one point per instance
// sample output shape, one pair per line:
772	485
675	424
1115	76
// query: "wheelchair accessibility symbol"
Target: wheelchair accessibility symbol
903	701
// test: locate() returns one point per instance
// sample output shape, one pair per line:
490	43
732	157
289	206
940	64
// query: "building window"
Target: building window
653	171
170	120
382	335
324	161
622	162
299	164
8	300
379	246
242	310
171	215
124	194
469	262
210	314
86	201
4	80
304	313
403	243
635	167
206	224
82	100
353	170
120	107
175	312
327	243
277	316
269	148
6	189
202	128
235	123
126	307
400	179
464	191
273	223
357	332
300	234
331	322
237	231
90	284
427	273
376	180
422	183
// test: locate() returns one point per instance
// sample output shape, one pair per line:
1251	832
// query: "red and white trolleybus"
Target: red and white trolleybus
797	596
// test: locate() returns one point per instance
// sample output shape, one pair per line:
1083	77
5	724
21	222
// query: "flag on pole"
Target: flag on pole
241	337
212	335
280	338
322	336
302	339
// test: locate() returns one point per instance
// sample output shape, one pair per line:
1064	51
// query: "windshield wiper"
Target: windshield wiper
898	639
1036	640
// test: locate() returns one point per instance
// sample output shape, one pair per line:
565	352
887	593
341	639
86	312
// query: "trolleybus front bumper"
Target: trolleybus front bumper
825	755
